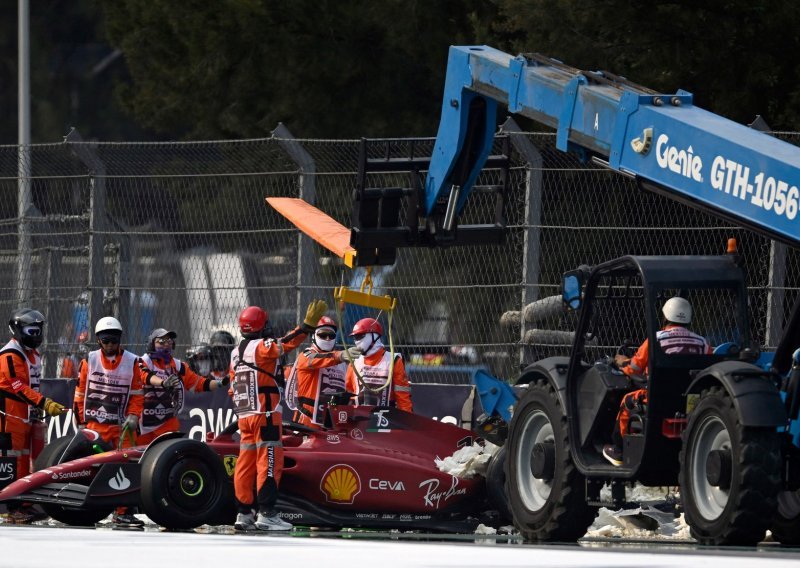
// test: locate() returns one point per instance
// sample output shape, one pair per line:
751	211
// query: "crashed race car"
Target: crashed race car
371	467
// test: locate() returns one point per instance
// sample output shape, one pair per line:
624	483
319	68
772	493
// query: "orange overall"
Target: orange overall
374	370
673	339
114	389
20	374
319	375
161	407
256	399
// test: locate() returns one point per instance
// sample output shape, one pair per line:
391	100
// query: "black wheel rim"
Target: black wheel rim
190	483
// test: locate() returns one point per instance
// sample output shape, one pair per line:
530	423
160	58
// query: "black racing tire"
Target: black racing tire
496	485
53	454
544	510
184	485
786	523
738	512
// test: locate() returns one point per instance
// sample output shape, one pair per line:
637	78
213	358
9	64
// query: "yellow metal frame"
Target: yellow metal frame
365	298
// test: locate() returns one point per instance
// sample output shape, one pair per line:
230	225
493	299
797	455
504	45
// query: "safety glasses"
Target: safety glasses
360	336
326	335
163	341
32	330
109	340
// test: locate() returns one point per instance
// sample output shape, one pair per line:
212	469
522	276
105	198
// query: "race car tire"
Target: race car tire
184	485
496	486
551	503
730	474
53	454
786	524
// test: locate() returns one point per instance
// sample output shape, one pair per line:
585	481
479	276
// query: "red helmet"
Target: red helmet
367	325
325	321
252	319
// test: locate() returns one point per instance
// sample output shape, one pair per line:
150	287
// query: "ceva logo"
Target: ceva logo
119	482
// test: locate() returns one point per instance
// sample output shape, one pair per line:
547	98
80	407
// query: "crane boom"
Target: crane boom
666	142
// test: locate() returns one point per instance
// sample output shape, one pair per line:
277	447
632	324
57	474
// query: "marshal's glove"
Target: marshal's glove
316	309
171	382
52	408
350	354
130	423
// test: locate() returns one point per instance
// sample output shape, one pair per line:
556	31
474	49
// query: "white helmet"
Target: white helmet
677	310
107	324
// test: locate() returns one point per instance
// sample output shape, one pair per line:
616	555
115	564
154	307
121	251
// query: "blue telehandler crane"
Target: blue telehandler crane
723	426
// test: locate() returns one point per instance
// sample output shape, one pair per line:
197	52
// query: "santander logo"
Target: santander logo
119	482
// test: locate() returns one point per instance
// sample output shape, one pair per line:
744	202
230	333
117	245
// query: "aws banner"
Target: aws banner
213	411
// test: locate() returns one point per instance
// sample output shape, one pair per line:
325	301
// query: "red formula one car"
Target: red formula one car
372	467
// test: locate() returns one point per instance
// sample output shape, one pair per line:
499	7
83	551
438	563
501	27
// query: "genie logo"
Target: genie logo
682	162
119	482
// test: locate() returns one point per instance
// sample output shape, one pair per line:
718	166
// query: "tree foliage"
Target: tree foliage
73	73
327	68
739	57
349	68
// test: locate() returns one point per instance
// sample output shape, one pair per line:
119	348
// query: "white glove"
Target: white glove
171	382
349	354
130	423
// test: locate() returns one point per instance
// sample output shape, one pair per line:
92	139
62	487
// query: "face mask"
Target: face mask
365	343
162	353
204	367
325	344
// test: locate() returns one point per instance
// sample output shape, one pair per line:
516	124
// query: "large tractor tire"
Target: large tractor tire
730	474
786	523
184	485
54	454
546	492
496	485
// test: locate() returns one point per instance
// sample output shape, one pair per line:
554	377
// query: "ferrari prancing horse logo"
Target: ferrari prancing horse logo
230	464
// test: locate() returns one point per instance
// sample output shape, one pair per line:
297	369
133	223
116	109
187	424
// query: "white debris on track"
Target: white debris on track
645	521
642	522
469	461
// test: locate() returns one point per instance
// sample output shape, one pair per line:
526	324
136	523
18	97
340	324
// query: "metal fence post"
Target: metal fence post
97	214
24	256
307	191
533	214
775	293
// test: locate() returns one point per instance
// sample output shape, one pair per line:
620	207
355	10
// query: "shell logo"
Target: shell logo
340	484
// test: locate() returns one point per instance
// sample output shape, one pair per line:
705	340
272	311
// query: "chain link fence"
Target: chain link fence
178	235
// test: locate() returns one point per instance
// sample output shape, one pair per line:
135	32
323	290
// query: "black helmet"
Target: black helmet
201	349
222	339
199	358
27	325
222	343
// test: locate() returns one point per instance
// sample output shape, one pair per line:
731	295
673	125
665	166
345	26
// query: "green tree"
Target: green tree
236	68
739	57
73	73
